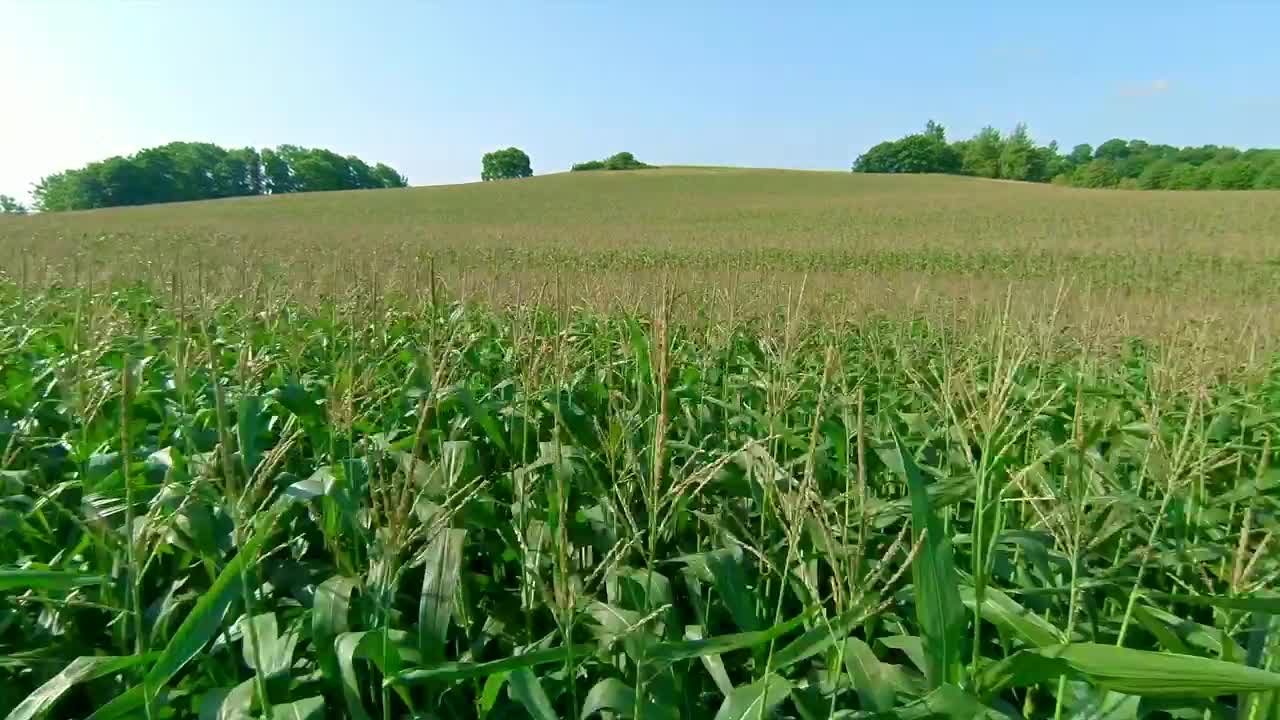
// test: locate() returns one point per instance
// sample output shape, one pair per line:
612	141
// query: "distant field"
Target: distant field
605	237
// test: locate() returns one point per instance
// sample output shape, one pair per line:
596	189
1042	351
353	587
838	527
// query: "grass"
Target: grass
277	473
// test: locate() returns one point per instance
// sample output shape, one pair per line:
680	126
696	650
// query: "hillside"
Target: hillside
697	207
605	236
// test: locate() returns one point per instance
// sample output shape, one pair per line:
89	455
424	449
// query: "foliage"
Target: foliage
1157	176
1020	159
685	444
1016	157
1234	175
925	152
507	164
1269	178
982	154
618	161
183	171
9	206
255	507
1099	173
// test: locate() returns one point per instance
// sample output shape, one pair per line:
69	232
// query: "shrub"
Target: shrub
618	161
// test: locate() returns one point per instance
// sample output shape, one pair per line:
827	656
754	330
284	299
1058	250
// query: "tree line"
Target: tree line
513	163
10	206
181	171
617	161
1116	163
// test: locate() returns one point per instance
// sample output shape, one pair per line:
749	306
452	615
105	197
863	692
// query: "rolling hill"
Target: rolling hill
607	236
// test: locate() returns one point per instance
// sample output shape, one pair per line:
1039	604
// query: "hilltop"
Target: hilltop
858	239
709	207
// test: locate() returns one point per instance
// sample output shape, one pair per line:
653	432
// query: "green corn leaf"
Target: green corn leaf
711	661
934	580
525	688
439	585
454	671
614	696
870	677
670	652
909	645
1131	672
731	583
200	625
756	700
250	426
1154	674
946	701
611	695
274	649
369	645
1264	604
1204	637
482	418
723	568
820	637
1163	634
82	669
329	619
489	695
810	703
46	580
1002	610
230	703
311	708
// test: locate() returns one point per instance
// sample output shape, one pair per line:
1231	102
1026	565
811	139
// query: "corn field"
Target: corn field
357	493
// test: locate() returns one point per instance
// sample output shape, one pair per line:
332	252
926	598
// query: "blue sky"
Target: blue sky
429	87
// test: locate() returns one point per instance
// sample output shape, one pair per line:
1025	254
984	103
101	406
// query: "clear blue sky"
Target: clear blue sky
429	87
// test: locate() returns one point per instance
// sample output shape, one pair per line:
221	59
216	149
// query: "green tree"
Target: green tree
1018	157
982	156
1099	173
1125	163
388	177
1049	162
623	161
505	164
881	158
1204	176
1081	154
1157	175
276	175
1114	150
923	152
926	152
617	161
197	171
1226	155
316	170
1269	178
1234	175
9	206
1196	155
1183	177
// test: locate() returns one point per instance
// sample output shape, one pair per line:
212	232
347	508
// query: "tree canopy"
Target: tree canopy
618	161
1114	163
9	206
505	164
183	171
